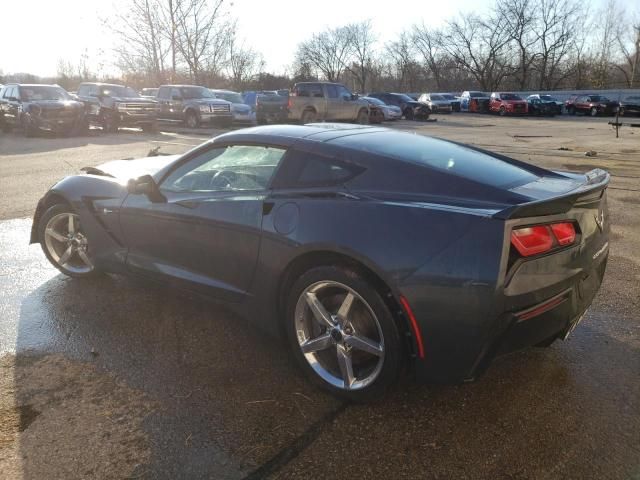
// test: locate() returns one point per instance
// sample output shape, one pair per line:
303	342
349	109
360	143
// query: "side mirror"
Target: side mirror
146	185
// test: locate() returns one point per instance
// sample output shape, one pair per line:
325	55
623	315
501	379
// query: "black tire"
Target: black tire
81	128
502	111
309	116
27	128
51	213
363	117
408	114
6	128
191	119
593	112
109	122
621	112
389	366
571	110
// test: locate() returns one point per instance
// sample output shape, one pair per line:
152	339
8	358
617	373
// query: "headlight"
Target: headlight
204	108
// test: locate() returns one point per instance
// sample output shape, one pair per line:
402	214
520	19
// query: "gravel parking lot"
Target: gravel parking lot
115	378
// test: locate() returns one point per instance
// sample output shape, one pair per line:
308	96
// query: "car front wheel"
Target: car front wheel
594	111
343	334
64	243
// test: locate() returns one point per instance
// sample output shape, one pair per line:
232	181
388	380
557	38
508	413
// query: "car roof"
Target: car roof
101	84
219	90
34	84
181	86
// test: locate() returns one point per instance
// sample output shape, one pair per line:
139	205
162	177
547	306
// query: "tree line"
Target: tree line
514	45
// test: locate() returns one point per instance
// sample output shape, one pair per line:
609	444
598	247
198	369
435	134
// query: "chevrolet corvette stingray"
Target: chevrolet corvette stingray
371	251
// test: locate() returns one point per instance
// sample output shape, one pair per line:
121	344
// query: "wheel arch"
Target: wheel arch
48	201
317	258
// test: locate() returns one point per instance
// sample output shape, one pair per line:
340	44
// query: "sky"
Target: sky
49	30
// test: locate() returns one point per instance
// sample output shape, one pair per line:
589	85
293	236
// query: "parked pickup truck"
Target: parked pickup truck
193	106
112	106
313	101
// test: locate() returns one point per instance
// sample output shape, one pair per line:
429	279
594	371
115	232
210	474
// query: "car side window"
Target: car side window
175	93
83	90
304	169
223	169
343	92
163	93
332	91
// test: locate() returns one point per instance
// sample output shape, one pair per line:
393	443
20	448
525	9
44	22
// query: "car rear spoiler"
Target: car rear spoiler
588	193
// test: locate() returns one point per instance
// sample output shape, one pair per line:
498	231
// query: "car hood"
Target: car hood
207	101
241	107
56	104
444	103
127	169
133	99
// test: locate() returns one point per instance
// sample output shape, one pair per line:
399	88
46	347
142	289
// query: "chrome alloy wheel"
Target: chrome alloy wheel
339	335
66	244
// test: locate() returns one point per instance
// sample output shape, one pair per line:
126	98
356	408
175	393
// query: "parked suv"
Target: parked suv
474	101
436	102
411	109
193	106
507	103
40	107
113	106
312	101
592	105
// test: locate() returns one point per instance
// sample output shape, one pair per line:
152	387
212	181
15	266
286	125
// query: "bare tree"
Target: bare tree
428	43
628	44
403	65
362	40
519	18
605	24
141	46
558	31
479	47
327	52
202	30
244	63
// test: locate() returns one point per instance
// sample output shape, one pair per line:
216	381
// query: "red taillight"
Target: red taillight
532	240
542	238
565	233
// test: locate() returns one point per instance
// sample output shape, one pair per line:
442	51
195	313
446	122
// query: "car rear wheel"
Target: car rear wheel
502	111
309	116
594	111
363	117
64	243
191	119
571	110
408	114
343	334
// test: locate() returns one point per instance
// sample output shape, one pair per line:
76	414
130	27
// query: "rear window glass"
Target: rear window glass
440	155
304	169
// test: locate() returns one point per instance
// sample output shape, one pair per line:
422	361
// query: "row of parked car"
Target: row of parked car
505	103
34	107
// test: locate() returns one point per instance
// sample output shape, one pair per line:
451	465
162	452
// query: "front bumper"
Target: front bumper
213	117
128	119
53	124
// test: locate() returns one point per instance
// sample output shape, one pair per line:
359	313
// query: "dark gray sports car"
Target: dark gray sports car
371	250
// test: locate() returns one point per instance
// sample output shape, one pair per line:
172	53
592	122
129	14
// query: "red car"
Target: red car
505	103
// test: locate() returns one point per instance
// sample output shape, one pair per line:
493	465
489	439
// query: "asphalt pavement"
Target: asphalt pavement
118	378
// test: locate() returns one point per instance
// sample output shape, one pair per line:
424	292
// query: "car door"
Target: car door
348	106
581	104
334	107
11	103
163	98
176	104
207	234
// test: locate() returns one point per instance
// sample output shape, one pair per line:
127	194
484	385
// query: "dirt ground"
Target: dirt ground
116	378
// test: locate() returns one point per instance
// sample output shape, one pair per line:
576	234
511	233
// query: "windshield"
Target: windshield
437	97
196	92
477	94
599	98
548	98
229	96
374	101
43	92
510	96
118	91
448	97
